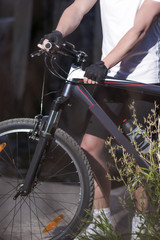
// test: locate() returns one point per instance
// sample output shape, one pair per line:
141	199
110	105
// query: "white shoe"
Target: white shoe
92	227
138	225
88	231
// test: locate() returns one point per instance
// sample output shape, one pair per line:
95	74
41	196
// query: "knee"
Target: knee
88	146
92	144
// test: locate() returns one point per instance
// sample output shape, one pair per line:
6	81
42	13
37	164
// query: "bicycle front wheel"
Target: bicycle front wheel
61	194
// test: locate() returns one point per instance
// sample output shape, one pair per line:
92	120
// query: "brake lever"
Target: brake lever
37	53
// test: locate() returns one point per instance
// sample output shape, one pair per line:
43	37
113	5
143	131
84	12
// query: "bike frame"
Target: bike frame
74	85
81	93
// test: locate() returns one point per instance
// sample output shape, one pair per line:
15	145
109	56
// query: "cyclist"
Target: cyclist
130	50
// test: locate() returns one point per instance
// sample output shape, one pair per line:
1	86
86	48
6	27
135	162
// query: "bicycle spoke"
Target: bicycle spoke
61	205
30	215
52	207
37	216
35	213
59	201
15	213
13	221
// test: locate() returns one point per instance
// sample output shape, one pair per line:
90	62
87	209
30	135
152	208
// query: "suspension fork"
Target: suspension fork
44	136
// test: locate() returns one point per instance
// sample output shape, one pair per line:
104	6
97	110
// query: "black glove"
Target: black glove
53	37
96	72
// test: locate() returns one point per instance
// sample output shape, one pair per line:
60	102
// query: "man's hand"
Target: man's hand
95	73
53	37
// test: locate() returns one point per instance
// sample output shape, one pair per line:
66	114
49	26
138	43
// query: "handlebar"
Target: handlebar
67	49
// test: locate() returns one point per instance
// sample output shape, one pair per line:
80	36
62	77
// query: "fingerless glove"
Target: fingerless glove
54	37
96	72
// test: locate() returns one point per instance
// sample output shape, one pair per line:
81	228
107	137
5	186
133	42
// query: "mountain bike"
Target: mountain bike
46	183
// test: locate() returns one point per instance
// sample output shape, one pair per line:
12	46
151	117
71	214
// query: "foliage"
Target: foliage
101	230
134	177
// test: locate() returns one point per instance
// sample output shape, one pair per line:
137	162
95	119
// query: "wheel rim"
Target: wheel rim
51	206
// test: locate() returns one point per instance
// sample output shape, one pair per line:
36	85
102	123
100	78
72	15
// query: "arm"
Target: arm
68	22
144	18
73	15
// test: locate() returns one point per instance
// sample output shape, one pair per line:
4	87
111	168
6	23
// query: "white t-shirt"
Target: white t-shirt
142	64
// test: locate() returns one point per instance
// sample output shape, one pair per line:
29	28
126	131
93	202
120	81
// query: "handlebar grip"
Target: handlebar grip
48	45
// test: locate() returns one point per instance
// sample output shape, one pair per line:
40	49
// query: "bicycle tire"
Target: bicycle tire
56	207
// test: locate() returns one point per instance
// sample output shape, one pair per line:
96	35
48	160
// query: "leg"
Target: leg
142	204
141	198
94	146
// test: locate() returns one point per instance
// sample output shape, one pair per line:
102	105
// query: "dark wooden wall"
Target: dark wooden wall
22	24
15	30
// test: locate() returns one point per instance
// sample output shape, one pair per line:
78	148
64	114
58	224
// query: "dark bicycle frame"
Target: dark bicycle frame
76	87
84	96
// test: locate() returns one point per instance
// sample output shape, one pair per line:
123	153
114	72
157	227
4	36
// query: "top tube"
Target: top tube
130	85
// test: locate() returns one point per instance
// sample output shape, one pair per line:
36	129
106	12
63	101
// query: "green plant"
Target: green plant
101	230
148	182
134	179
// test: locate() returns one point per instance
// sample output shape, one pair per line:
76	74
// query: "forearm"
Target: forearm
144	18
69	20
123	47
73	15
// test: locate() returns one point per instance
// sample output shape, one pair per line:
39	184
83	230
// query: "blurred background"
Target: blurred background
22	24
